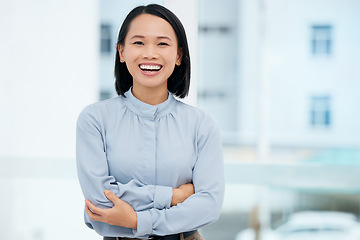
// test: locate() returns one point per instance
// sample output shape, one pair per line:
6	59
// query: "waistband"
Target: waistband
167	237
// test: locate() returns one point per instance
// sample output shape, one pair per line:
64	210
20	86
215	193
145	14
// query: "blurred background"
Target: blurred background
280	77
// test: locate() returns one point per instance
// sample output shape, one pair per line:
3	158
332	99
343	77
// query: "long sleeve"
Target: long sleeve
140	152
204	206
93	170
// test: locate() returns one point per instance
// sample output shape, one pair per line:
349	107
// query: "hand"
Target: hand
181	193
121	214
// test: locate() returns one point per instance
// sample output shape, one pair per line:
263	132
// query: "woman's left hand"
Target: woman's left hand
121	214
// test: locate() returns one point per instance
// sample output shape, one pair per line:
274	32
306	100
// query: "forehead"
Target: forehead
148	25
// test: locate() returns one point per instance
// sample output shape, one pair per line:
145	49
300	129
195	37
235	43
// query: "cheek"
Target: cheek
130	53
172	56
132	68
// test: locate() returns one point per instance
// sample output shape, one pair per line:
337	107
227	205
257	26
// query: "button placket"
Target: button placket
150	151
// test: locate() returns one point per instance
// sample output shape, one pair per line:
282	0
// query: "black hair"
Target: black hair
179	81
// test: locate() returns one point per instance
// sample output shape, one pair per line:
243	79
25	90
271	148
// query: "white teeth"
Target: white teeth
150	67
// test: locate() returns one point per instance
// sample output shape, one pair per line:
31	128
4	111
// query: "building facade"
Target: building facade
292	64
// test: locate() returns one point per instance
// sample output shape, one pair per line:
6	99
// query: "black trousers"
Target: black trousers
167	237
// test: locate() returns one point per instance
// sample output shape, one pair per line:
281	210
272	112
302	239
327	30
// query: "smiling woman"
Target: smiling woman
170	34
146	161
150	51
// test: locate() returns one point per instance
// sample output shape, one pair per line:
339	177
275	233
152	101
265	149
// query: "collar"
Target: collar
146	110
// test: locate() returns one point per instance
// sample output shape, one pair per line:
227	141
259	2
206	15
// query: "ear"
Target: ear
179	57
121	53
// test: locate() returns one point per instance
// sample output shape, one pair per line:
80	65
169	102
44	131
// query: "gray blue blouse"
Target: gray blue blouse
140	152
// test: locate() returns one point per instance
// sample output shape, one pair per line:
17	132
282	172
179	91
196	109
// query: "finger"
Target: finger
92	215
112	197
93	208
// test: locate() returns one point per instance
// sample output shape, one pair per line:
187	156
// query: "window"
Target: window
214	29
321	40
320	111
105	94
105	41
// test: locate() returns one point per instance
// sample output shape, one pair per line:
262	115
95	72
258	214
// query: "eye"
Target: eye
163	44
138	43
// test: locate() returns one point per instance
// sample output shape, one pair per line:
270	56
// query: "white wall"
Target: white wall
218	57
249	70
49	52
49	72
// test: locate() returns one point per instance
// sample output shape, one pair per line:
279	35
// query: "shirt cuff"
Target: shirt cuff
144	224
162	197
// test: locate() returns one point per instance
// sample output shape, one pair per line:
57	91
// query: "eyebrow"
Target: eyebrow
159	37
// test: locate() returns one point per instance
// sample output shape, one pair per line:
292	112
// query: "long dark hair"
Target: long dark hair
179	81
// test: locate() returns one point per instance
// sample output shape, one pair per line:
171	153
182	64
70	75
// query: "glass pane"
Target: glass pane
106	38
322	39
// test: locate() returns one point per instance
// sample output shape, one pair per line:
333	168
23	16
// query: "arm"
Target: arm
94	175
181	193
204	206
122	214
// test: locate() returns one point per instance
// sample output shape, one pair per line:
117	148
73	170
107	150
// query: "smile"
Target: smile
150	67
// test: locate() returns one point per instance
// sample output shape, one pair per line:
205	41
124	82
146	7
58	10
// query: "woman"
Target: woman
149	165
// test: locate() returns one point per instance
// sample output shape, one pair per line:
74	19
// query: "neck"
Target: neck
150	96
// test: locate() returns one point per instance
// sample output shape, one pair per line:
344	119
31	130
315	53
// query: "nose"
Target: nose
150	52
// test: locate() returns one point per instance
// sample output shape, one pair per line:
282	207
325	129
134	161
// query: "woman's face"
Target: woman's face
150	52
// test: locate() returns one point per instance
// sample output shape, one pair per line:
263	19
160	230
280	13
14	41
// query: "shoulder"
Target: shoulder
203	120
185	108
206	130
97	111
